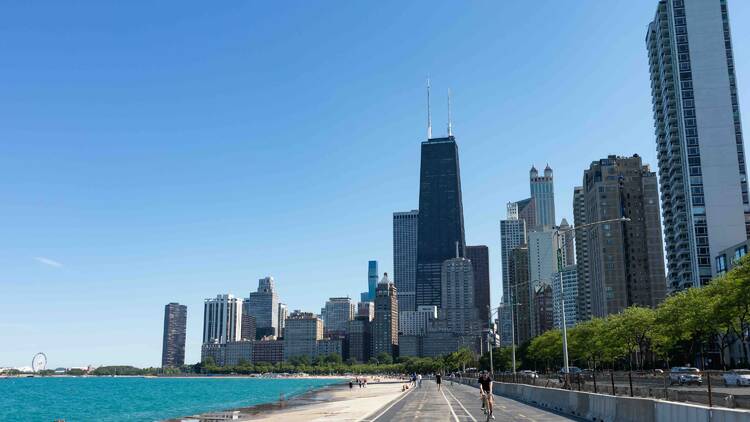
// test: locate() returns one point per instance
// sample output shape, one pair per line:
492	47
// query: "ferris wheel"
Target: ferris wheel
39	363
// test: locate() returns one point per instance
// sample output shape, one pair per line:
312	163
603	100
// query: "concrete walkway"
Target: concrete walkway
456	403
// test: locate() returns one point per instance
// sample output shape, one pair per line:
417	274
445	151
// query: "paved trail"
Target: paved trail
457	403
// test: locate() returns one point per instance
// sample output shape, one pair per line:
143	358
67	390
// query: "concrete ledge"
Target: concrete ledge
606	408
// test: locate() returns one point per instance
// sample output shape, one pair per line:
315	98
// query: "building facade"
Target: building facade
385	324
416	323
238	352
441	220
338	312
458	307
268	351
366	309
359	335
405	225
520	294
702	172
282	314
625	259
303	331
512	235
173	343
480	262
222	319
727	259
263	305
372	279
543	309
543	195
582	255
248	326
565	287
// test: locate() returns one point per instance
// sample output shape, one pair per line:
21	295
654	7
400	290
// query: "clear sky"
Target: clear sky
170	151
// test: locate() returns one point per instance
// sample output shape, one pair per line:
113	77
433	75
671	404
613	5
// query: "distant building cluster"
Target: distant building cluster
554	274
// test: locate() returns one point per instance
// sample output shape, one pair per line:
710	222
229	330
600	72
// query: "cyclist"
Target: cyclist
485	393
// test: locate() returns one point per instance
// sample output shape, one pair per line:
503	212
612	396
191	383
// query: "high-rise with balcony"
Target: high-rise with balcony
173	347
405	258
698	131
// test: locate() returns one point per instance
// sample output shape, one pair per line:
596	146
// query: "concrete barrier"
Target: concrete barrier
607	408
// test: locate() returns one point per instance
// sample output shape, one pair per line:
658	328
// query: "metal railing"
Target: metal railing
711	390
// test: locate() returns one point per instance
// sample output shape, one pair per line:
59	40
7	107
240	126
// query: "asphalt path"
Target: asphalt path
457	403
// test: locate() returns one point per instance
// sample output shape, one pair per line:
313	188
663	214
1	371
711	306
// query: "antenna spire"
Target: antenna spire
450	123
429	117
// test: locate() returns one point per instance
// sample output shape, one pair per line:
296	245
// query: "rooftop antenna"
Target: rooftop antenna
450	124
429	117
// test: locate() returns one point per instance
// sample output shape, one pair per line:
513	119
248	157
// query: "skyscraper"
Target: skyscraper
283	312
543	195
458	303
520	294
441	220
512	235
372	279
385	324
567	239
359	336
338	312
366	309
701	155
582	255
222	319
480	262
173	345
543	263
263	305
405	258
625	259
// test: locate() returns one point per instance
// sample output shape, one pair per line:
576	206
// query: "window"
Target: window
740	252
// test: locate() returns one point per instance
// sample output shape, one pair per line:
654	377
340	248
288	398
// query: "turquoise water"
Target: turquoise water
137	399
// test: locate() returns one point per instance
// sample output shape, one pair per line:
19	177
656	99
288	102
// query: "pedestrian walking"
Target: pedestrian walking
419	380
438	379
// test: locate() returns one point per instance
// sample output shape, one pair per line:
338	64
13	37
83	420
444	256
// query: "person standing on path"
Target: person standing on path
438	379
419	380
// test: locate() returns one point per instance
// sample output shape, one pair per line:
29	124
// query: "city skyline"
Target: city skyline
186	251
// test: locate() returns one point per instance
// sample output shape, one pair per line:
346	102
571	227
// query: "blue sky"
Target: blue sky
170	151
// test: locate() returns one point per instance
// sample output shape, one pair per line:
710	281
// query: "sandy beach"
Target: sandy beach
334	403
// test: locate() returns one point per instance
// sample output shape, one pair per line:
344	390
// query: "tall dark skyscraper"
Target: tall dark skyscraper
480	262
173	347
441	217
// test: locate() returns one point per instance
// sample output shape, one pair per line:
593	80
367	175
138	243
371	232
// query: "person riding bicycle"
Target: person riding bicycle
485	392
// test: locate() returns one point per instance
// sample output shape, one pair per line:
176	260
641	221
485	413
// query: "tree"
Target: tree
384	358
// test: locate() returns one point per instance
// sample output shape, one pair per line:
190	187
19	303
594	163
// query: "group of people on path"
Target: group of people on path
362	382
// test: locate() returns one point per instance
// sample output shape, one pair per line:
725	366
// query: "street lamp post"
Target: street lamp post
562	295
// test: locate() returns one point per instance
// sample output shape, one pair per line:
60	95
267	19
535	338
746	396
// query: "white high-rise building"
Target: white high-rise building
543	195
702	176
222	319
405	258
283	312
567	279
415	323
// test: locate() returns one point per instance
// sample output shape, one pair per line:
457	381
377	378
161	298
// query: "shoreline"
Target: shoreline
335	402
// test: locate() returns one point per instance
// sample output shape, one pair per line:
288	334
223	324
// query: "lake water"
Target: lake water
137	399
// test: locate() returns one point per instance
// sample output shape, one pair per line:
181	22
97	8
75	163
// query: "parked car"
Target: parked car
737	377
685	375
529	374
574	374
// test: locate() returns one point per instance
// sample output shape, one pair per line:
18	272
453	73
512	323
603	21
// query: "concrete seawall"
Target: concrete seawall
606	408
